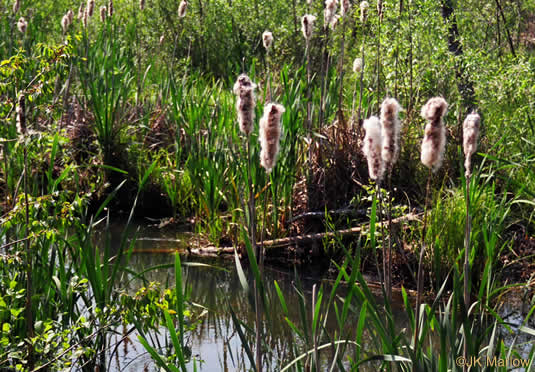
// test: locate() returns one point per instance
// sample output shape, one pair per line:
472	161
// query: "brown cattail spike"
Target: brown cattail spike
269	136
307	23
245	105
434	142
372	148
16	6
390	129
103	13
21	115
90	7
470	134
110	8
329	12
141	4
182	8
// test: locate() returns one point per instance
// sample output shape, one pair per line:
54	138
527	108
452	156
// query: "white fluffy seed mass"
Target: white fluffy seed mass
372	147
390	129
470	134
269	135
434	142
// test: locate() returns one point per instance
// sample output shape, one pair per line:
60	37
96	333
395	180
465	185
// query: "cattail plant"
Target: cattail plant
267	40
110	8
182	8
244	89
103	13
364	5
16	6
22	25
70	15
390	129
65	23
81	12
329	12
329	15
434	141
307	26
470	134
245	105
373	142
85	18
162	39
344	13
270	131
22	130
433	146
357	70
90	8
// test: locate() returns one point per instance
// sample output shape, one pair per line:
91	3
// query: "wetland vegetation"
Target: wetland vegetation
388	145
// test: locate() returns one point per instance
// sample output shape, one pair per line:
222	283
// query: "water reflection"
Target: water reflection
215	341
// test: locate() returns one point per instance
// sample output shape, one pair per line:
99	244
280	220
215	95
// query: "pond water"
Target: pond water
215	342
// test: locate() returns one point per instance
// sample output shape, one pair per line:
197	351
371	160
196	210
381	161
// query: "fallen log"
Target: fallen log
282	242
277	243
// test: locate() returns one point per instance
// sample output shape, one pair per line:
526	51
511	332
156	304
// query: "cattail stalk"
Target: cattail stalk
470	134
390	129
16	6
307	26
328	17
433	146
372	150
267	40
344	13
378	46
23	131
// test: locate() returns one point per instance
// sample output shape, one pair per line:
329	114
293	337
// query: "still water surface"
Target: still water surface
215	342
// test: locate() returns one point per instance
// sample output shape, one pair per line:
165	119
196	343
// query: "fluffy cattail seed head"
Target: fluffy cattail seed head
244	89
141	4
309	2
470	134
103	13
434	142
85	18
16	6
380	8
182	8
344	9
267	39
390	129
21	115
70	15
372	148
329	12
269	135
364	11
81	11
65	22
334	21
162	39
307	23
90	7
110	8
22	25
357	65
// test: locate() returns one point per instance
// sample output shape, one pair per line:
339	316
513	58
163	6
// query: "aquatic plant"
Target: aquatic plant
372	148
22	25
434	141
182	8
